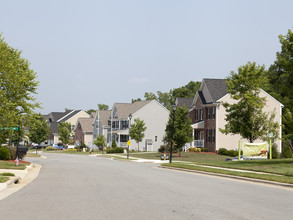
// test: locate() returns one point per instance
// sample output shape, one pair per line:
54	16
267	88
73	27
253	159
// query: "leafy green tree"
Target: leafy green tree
150	96
64	129
137	130
182	128
280	76
17	86
38	129
246	117
135	100
100	142
90	111
187	91
165	99
103	107
113	145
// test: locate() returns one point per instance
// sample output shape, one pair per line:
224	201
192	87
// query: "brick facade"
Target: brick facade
79	136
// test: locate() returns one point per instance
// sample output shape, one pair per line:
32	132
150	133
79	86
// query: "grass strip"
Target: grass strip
11	165
7	174
116	157
3	179
268	177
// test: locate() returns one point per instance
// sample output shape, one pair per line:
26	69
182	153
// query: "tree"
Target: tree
137	130
90	111
64	129
100	142
165	99
246	117
17	86
280	76
187	91
103	107
150	96
135	100
38	129
182	128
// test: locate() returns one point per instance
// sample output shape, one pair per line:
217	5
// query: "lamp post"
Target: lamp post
172	133
129	117
270	136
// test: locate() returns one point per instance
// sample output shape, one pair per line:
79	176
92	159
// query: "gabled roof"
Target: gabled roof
187	102
104	116
216	87
86	124
124	109
69	115
55	116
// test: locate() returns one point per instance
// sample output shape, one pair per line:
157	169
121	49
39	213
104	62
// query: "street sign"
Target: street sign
7	128
128	143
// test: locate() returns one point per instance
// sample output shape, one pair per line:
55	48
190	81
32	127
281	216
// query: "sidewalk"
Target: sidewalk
21	178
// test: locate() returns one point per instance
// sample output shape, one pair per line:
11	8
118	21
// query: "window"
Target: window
156	138
208	113
196	114
201	114
207	135
214	113
213	135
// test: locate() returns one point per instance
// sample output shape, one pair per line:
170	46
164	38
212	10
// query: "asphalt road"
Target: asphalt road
83	187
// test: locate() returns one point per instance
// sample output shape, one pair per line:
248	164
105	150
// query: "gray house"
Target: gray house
154	115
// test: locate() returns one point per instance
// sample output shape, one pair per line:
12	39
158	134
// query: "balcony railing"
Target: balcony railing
195	143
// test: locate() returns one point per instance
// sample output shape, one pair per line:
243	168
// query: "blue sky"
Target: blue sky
91	52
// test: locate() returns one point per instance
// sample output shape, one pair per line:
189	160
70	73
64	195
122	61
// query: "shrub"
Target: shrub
114	145
115	150
50	148
12	150
204	149
70	150
223	151
4	153
232	153
286	151
163	149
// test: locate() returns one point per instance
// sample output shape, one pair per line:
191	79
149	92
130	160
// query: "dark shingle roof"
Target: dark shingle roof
203	100
216	87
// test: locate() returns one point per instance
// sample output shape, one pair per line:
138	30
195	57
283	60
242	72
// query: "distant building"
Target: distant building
208	115
55	118
154	115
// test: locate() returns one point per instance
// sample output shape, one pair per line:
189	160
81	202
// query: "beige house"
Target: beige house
208	115
55	118
83	132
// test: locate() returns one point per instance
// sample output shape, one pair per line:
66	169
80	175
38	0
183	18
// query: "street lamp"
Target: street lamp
128	143
270	136
172	133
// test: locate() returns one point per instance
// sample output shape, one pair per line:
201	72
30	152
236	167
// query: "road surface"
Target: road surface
83	187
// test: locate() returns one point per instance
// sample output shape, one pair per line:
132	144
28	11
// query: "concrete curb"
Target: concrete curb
286	185
15	179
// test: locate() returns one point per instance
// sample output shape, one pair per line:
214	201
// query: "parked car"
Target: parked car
60	147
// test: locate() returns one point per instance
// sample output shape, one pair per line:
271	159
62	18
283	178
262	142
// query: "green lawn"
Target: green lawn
11	165
3	179
279	166
269	177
